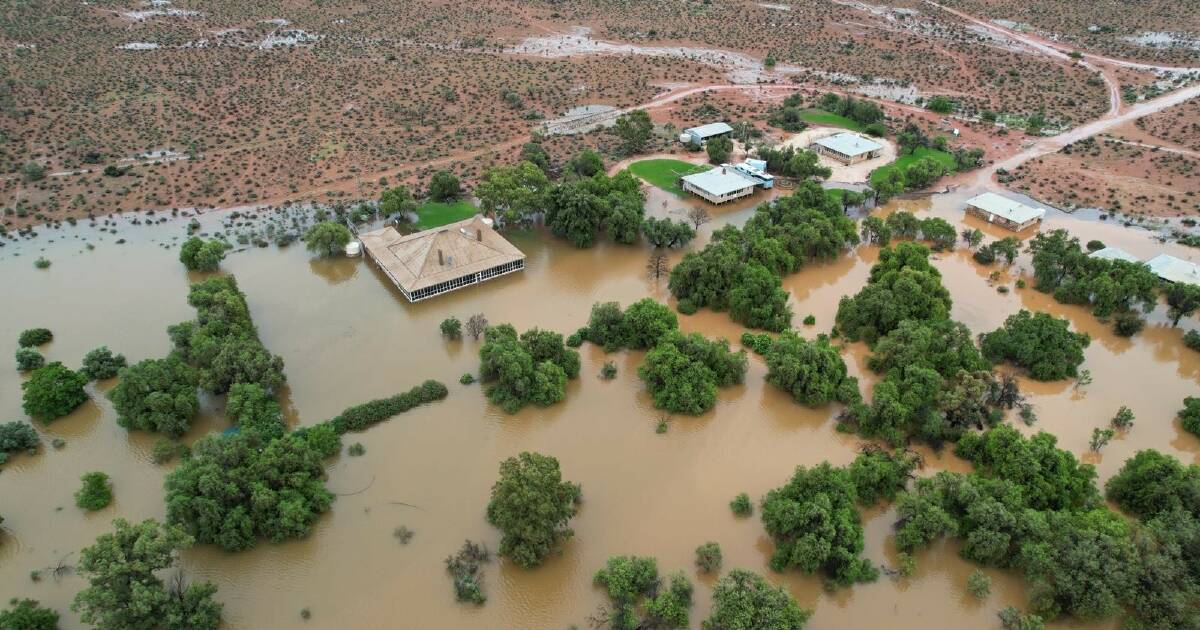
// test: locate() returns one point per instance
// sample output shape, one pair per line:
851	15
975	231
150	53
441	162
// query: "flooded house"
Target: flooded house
1004	212
1172	269
847	148
720	185
439	260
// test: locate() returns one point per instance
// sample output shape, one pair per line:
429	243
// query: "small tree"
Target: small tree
16	437
586	163
396	201
34	337
741	505
53	391
1124	418
444	186
531	506
451	328
96	492
1100	438
719	149
743	600
1183	300
476	324
199	255
157	395
979	584
327	238
656	267
634	130
698	216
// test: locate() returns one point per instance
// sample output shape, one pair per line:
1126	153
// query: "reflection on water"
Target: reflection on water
347	336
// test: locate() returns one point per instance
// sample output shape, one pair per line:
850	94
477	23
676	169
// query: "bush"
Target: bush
1128	324
608	371
1124	418
101	364
1151	484
531	506
27	614
96	492
53	391
979	584
156	395
467	568
902	285
360	417
451	328
467	378
1192	340
16	437
327	238
638	601
444	186
251	408
34	337
638	327
29	359
741	505
1041	343
708	557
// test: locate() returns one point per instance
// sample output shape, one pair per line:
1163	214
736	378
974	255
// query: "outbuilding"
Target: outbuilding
702	134
848	148
1174	269
1115	253
719	185
439	260
1005	212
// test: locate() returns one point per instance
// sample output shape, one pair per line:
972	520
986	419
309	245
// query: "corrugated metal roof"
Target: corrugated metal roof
1173	269
1006	208
849	144
468	246
709	130
1115	253
719	181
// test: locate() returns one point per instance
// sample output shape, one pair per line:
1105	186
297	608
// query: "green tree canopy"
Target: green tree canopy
531	506
444	186
27	614
758	300
812	372
394	201
902	285
667	233
101	363
743	600
124	591
1038	342
198	254
638	597
634	129
719	149
638	327
581	208
513	193
157	395
683	372
53	391
327	238
533	368
1151	484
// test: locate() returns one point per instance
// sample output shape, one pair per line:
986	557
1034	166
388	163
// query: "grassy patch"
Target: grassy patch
827	119
836	194
435	214
665	173
903	161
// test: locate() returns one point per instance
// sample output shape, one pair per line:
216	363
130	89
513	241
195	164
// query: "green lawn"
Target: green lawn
665	173
435	214
827	119
903	161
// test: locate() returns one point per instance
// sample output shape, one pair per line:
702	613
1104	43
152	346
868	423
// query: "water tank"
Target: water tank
353	248
685	138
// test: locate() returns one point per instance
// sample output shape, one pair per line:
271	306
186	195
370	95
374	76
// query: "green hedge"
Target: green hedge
360	417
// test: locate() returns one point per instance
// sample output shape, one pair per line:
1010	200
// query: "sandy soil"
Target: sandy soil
852	174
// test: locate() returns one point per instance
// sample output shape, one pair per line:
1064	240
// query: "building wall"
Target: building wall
1001	221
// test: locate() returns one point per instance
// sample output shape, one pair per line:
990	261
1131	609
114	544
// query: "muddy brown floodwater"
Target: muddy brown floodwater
347	336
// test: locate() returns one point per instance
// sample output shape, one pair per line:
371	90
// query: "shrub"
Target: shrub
165	450
1128	324
532	368
156	395
1192	340
979	584
34	337
810	320
327	238
638	601
608	371
101	363
741	505
27	614
41	263
53	391
1124	418
902	285
451	328
467	378
708	557
531	506
444	186
29	359
683	372
362	416
96	492
812	372
251	408
356	450
467	568
1151	484
16	437
638	327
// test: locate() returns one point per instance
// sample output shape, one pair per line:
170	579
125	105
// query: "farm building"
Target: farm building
703	133
1115	253
443	259
1005	212
1174	269
847	148
719	185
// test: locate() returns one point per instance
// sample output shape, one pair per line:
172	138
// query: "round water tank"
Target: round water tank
353	248
685	138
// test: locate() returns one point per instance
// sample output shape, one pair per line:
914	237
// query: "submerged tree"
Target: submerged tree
743	600
531	506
